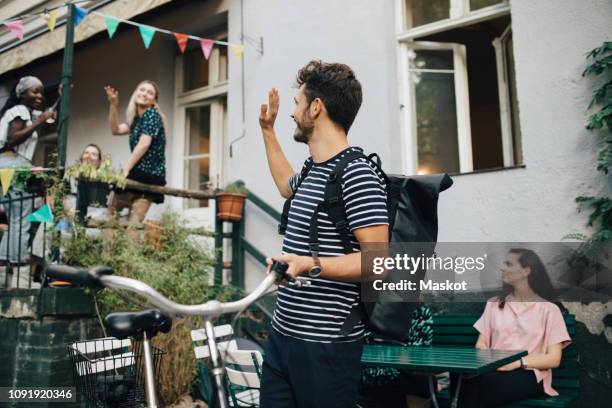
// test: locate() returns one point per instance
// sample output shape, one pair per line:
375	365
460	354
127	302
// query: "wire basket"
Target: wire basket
109	372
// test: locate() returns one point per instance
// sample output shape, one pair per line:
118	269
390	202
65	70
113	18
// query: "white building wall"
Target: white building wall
551	38
359	33
535	203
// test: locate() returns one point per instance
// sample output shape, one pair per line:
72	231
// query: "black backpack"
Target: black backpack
412	207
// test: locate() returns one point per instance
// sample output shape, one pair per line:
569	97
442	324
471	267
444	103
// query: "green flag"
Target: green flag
43	214
147	33
111	25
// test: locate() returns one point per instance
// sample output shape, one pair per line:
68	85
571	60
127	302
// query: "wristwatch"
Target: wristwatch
523	363
315	271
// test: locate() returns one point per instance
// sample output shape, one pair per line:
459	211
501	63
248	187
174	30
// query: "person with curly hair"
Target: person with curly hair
310	360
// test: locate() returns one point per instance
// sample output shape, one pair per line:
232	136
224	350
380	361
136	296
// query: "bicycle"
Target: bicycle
97	278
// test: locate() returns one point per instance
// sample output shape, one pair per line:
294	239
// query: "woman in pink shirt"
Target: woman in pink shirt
522	317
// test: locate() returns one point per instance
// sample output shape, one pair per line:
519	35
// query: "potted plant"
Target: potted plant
230	201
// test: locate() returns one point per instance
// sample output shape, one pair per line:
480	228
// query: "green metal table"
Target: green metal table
460	360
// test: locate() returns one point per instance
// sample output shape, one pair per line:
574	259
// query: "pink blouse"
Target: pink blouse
531	326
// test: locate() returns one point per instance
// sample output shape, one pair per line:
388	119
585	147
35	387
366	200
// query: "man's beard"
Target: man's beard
303	131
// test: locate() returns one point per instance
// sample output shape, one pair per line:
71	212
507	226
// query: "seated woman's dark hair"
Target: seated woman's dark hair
538	278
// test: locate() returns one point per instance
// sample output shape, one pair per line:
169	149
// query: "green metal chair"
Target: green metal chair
243	368
223	336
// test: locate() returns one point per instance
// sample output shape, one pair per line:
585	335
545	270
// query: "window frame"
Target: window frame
215	95
460	15
462	102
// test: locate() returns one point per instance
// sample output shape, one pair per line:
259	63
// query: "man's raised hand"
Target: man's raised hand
267	115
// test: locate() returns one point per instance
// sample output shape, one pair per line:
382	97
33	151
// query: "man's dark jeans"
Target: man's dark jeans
299	373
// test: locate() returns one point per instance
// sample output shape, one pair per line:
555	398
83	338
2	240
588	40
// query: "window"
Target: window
200	108
197	161
422	12
459	105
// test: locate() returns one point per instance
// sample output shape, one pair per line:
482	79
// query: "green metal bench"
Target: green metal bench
458	330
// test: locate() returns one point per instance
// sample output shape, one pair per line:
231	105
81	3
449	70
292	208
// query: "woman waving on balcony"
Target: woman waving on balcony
146	126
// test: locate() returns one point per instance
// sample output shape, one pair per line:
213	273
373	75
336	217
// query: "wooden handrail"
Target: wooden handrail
177	192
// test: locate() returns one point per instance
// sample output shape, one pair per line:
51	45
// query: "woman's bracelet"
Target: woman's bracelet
523	363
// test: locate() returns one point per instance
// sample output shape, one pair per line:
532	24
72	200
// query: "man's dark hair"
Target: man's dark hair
336	85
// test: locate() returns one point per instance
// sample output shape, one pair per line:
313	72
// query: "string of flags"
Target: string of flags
7	174
147	32
44	213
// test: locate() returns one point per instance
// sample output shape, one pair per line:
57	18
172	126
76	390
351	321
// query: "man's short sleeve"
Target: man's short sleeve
151	123
293	180
365	198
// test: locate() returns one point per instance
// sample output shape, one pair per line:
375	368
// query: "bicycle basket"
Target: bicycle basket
109	372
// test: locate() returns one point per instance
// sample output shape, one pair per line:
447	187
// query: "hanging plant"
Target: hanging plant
105	173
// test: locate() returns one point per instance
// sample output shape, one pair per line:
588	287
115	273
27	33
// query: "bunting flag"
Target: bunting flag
111	25
79	15
181	40
207	46
43	214
52	19
6	176
147	33
16	28
238	50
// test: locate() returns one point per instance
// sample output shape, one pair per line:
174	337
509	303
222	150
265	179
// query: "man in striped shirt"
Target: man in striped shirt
310	361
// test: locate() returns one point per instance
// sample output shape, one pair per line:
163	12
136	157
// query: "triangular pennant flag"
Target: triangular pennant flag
16	28
43	214
6	176
147	33
238	50
181	40
111	25
79	15
52	19
207	46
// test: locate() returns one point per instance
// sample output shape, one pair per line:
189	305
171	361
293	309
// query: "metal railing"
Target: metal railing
23	243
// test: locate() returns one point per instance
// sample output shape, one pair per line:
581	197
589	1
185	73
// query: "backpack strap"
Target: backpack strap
282	227
333	205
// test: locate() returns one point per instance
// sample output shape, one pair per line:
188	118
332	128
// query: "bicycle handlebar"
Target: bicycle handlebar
101	276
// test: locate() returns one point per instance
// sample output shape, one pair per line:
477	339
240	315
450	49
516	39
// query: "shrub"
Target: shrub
179	269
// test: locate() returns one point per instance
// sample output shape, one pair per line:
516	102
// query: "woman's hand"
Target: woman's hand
267	115
42	118
112	95
515	365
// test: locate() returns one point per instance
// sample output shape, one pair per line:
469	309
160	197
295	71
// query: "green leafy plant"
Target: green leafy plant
597	244
179	268
236	187
105	173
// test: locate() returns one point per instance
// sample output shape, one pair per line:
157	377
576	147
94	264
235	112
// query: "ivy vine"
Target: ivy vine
600	207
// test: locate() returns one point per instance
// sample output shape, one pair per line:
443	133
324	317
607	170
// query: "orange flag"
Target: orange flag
181	40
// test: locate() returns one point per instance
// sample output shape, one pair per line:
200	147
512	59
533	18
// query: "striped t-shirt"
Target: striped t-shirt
316	312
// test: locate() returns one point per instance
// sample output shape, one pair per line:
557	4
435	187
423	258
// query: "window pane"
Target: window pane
195	69
420	12
198	169
433	80
478	4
